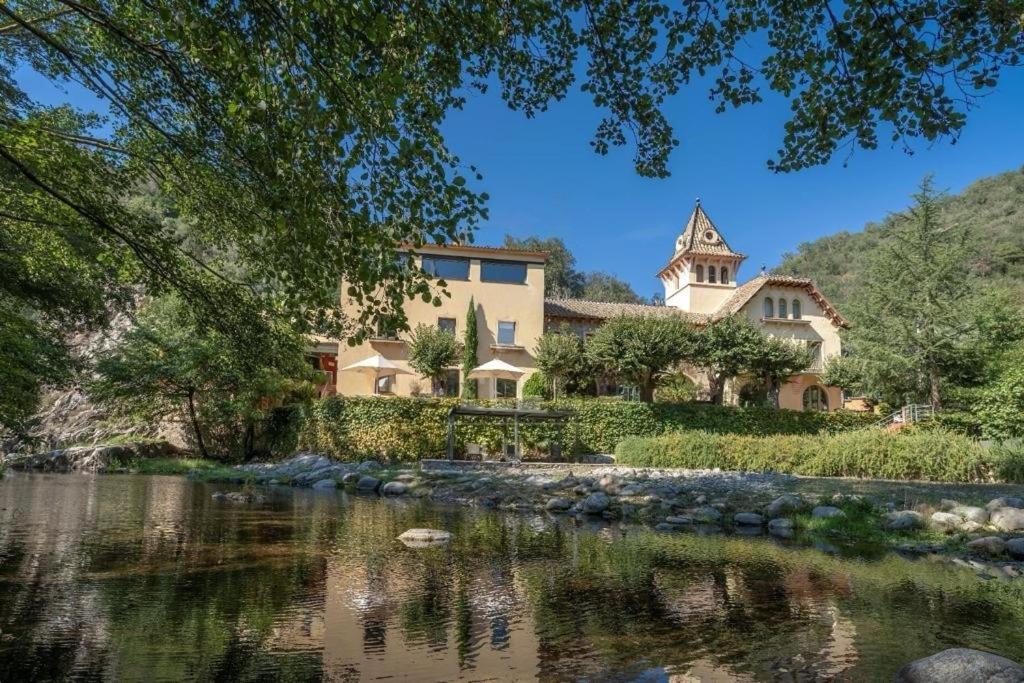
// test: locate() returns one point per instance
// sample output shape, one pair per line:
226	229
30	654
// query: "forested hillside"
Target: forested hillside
991	209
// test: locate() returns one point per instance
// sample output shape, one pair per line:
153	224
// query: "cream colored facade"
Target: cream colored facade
520	304
700	282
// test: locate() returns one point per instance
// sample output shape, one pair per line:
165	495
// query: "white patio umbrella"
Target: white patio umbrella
377	366
496	369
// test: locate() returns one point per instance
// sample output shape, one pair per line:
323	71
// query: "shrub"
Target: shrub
1001	408
933	454
412	428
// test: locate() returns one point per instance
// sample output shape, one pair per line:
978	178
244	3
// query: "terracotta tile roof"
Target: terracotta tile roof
745	292
702	237
582	309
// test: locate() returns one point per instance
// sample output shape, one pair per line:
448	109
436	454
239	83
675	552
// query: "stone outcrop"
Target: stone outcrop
961	665
91	458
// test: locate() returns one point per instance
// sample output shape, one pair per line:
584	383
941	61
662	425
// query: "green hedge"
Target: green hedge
412	428
930	454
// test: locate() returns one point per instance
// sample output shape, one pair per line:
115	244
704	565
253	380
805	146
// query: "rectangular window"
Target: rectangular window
506	333
386	329
505	388
447	385
446	267
386	384
446	325
512	272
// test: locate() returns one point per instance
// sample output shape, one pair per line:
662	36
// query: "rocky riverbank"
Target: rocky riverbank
101	458
988	538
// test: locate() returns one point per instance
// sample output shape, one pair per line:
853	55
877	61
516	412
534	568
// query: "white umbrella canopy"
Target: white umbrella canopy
377	365
498	369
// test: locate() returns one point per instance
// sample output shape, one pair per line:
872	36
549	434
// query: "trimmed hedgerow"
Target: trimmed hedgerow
412	428
932	454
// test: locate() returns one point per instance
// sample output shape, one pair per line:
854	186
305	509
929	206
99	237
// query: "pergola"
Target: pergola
516	414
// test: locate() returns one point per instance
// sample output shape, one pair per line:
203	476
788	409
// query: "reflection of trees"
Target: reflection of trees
139	577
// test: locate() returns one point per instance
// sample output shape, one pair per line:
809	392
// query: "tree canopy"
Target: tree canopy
640	350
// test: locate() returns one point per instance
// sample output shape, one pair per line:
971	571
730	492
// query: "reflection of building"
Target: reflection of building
507	287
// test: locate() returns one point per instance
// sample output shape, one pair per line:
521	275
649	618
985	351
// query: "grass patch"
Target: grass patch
864	523
170	466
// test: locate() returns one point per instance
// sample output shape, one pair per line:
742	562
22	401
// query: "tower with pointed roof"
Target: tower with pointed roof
701	275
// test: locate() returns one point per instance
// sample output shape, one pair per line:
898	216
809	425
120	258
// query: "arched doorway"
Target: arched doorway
815	398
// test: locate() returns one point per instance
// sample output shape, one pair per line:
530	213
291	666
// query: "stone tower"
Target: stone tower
701	274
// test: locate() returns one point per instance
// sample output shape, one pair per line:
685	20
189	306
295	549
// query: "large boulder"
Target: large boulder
781	526
367	484
903	520
558	504
827	512
707	515
1008	519
394	488
988	545
596	503
945	521
325	484
1015	546
971	513
748	519
961	665
783	504
1004	502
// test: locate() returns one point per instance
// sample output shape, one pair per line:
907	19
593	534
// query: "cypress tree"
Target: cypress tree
469	386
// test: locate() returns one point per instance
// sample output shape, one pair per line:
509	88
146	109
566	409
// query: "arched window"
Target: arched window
782	308
711	273
769	307
725	276
796	309
700	273
815	398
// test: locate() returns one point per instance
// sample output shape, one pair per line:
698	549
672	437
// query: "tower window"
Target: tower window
769	307
782	308
796	309
711	273
700	273
725	276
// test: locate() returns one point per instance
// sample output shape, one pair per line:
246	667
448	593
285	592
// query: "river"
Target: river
129	577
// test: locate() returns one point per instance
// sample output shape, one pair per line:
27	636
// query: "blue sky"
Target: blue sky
544	179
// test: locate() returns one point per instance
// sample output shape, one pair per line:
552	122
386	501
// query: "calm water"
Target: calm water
145	578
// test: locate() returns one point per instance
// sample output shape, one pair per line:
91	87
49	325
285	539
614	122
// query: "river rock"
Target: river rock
424	538
783	504
558	504
367	483
394	488
945	521
219	496
748	519
596	503
971	513
781	526
368	466
988	545
679	520
707	515
325	484
903	520
1015	546
960	665
1004	502
1008	518
827	512
351	479
666	526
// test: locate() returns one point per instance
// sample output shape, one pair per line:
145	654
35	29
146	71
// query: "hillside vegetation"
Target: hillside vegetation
991	209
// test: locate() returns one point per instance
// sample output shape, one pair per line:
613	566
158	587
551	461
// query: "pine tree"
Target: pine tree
469	386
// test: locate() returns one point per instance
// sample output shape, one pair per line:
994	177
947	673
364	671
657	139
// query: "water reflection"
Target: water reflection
147	578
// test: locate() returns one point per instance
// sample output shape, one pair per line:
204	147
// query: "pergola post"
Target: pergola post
451	435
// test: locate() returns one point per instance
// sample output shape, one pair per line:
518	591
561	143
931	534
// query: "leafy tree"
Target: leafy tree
599	286
676	388
31	351
725	349
432	351
469	345
916	322
537	385
303	140
562	357
640	350
844	372
171	366
775	360
1001	406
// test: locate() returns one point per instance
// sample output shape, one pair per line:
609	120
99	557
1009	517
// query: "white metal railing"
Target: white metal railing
908	414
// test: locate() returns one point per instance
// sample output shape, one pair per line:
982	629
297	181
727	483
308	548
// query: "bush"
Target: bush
412	428
933	454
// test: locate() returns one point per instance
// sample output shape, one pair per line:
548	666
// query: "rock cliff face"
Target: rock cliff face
90	458
67	416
